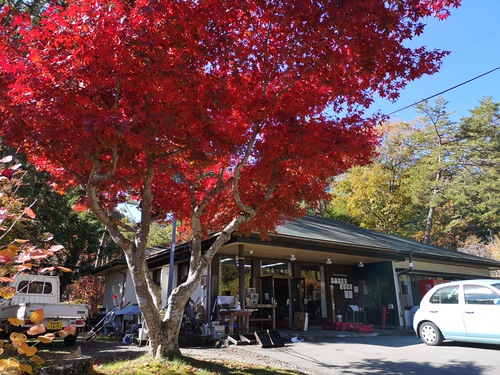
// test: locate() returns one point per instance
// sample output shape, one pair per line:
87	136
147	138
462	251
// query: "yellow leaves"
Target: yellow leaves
37	360
27	350
47	338
12	247
3	278
18	339
64	269
25	368
21	241
8	363
37	316
23	267
16	322
7	255
7	292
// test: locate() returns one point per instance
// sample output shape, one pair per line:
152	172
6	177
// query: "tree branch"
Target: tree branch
237	172
108	220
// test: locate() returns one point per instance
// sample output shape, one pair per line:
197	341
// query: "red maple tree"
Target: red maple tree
227	114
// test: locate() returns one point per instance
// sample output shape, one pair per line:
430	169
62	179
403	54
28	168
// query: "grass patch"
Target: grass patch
144	365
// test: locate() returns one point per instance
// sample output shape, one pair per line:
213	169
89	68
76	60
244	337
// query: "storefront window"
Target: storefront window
229	280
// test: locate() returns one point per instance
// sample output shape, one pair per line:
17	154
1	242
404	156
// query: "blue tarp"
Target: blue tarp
130	310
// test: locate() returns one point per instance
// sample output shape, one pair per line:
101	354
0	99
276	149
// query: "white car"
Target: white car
466	310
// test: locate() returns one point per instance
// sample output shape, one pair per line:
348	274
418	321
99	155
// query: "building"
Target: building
330	269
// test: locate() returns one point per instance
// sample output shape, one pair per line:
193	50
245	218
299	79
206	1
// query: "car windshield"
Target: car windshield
496	286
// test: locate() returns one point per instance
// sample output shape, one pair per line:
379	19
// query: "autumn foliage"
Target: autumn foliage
229	115
189	84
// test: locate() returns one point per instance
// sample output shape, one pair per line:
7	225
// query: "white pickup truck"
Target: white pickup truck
34	292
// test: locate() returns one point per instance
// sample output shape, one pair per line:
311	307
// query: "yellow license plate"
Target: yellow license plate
55	325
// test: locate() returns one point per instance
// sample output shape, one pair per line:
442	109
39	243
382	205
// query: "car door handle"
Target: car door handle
433	311
469	312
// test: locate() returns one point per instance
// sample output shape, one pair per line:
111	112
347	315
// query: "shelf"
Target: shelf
264	306
261	319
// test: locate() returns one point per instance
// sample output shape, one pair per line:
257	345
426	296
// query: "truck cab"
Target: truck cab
36	289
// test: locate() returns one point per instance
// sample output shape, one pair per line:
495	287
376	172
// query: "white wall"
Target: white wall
197	296
119	284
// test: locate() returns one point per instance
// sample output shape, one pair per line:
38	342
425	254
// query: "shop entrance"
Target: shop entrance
313	291
276	289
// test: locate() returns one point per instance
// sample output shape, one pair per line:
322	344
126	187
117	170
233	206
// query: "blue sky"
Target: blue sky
472	34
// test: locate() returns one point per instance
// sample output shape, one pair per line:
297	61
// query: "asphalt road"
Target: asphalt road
386	355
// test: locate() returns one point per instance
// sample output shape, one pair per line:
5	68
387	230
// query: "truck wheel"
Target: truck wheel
7	330
70	340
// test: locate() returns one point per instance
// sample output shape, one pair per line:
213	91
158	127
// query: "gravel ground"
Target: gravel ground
105	352
239	354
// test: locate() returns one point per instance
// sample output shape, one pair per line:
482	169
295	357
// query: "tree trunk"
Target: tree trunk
428	226
164	334
430	213
168	336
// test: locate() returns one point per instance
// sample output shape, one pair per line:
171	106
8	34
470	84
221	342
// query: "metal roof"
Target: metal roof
326	236
338	233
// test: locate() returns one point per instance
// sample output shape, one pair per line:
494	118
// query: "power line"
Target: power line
477	40
442	92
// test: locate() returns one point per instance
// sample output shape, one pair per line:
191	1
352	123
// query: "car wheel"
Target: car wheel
430	334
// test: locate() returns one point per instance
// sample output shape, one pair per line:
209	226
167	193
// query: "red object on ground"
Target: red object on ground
384	315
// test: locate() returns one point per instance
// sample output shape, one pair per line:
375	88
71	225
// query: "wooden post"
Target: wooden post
241	275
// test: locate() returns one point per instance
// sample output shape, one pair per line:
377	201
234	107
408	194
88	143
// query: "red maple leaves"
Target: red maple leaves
248	107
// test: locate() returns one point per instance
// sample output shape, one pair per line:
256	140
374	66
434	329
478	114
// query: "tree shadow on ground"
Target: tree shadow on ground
408	368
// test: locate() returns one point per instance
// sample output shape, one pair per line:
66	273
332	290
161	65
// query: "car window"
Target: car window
448	294
479	295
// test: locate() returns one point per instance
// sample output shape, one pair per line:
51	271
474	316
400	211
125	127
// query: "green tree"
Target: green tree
475	190
431	177
436	146
376	196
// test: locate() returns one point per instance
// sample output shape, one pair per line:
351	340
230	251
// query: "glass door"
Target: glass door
313	291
